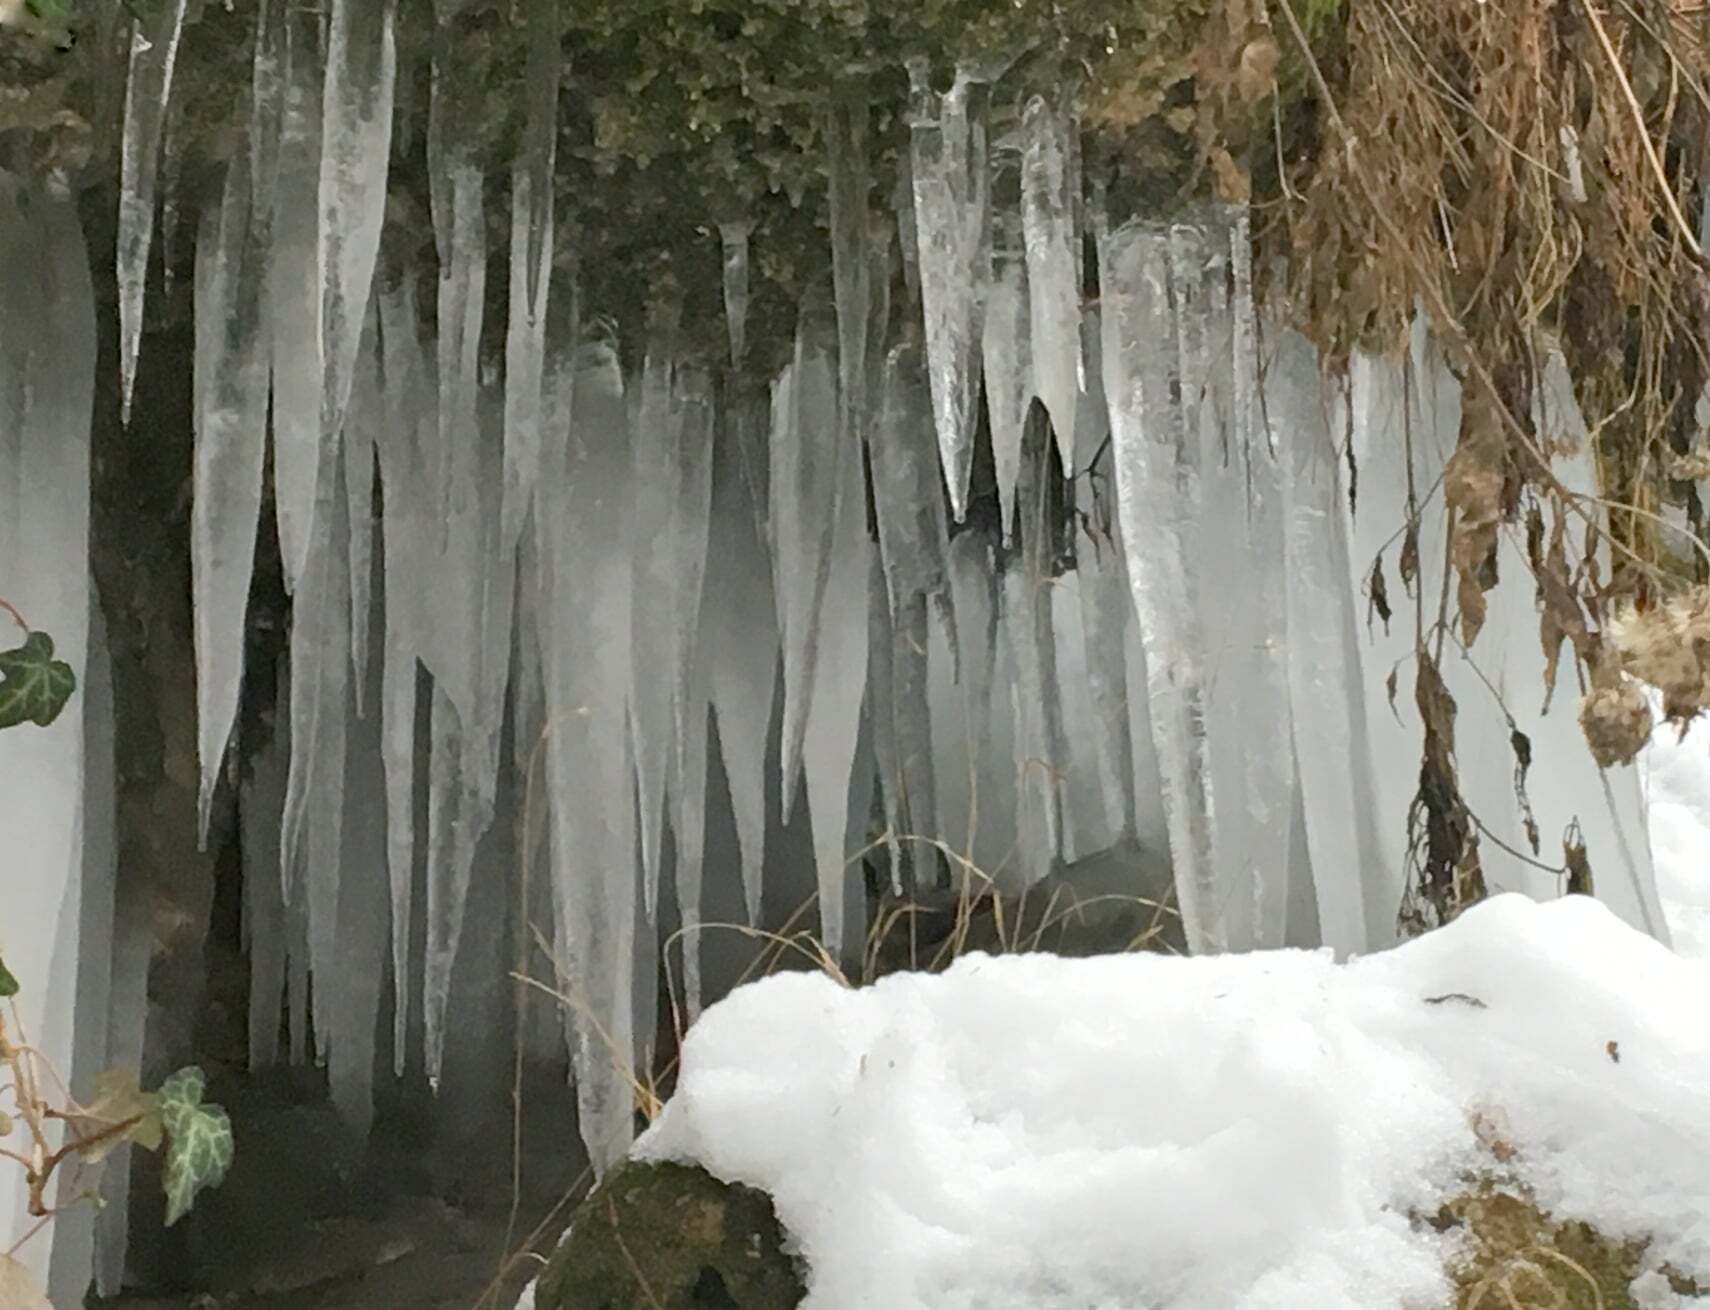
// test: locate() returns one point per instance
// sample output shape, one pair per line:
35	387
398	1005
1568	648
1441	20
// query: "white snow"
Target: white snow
1676	772
1235	1132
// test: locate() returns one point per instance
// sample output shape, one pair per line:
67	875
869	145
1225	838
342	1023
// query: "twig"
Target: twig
13	611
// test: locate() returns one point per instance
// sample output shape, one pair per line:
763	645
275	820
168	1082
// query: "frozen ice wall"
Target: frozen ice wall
1031	550
47	370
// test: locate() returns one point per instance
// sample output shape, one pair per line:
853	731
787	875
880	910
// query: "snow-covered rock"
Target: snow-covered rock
1239	1131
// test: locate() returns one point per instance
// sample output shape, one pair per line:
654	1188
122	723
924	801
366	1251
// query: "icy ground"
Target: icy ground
1213	1133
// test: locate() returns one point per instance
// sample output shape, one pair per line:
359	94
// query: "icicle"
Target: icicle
976	783
834	717
655	440
525	351
585	649
689	824
1049	188
365	416
881	655
148	92
952	206
852	271
540	143
47	378
1106	608
1086	825
300	439
1006	347
404	542
739	648
1158	494
361	71
908	233
733	238
696	427
913	549
1246	643
1326	676
531	268
320	715
231	433
804	488
170	183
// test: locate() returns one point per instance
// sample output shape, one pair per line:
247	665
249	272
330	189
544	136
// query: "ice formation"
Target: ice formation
600	602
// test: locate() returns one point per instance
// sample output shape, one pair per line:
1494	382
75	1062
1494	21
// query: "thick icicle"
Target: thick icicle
231	434
320	717
47	378
1087	827
1049	189
531	269
1157	478
404	543
1326	675
834	717
1241	538
851	267
656	441
689	825
356	147
1006	346
300	440
460	231
952	210
696	425
364	417
803	483
585	640
733	239
914	550
739	649
525	354
148	92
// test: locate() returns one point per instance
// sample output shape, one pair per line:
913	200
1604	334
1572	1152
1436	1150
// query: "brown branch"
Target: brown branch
12	609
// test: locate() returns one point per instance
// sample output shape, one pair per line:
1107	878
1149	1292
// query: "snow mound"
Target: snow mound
1677	799
1225	1132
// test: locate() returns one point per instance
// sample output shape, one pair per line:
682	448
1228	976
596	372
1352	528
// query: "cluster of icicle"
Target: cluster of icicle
621	563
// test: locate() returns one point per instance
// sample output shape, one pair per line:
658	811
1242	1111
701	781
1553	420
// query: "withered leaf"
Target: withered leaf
1579	881
1408	564
1378	592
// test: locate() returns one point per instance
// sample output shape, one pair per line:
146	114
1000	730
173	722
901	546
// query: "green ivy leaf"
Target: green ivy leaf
8	984
198	1141
34	686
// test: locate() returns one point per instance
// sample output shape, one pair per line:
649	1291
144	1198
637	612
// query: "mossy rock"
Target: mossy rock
672	1237
1520	1256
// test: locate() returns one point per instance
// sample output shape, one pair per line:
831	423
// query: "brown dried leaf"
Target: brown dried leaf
1378	593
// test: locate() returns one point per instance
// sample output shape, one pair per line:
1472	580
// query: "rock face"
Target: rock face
671	1237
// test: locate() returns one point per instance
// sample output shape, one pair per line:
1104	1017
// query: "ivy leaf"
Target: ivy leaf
8	984
119	1100
34	686
199	1141
18	1291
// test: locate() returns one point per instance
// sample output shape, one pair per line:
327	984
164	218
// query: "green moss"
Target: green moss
671	1237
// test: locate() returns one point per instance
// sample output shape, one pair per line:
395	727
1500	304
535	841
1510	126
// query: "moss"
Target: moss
671	1237
1519	1256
